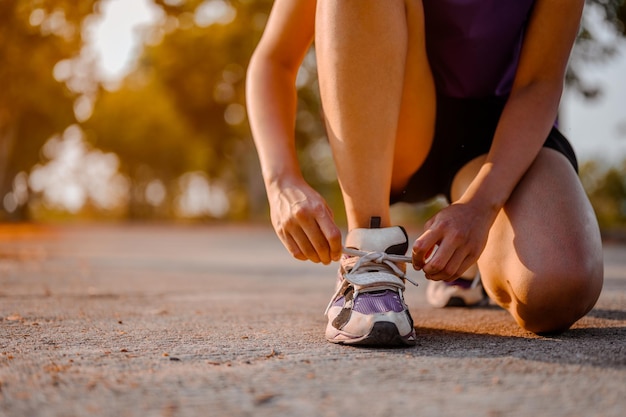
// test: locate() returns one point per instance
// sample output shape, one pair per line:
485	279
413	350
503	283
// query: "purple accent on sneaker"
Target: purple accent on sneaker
461	282
378	302
339	302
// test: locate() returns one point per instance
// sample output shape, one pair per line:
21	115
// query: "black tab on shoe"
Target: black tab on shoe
374	222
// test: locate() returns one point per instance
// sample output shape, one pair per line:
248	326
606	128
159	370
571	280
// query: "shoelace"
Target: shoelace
366	258
382	258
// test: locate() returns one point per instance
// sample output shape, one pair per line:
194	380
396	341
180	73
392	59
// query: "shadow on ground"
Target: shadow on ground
600	347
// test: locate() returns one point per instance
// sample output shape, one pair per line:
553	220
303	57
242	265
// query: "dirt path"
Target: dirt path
219	321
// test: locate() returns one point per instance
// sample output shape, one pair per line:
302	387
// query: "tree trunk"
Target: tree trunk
7	140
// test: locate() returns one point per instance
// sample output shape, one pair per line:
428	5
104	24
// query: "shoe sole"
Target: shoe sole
460	302
457	302
383	334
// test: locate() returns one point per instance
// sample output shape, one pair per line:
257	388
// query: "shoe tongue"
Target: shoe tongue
392	240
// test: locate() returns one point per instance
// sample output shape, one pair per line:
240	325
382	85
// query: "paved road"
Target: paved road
219	321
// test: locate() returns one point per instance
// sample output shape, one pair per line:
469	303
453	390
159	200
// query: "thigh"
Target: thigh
416	120
543	259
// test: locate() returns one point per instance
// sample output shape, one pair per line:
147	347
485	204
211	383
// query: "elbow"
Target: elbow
547	87
263	63
539	93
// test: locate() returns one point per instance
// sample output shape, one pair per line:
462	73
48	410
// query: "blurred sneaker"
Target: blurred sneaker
461	292
368	307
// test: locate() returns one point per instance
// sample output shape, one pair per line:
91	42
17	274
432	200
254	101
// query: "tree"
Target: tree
590	46
192	75
142	125
196	59
607	191
181	109
202	65
34	36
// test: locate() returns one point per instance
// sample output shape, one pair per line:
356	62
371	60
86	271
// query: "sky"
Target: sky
597	129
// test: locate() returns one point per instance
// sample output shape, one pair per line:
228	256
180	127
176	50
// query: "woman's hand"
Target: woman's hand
460	231
303	222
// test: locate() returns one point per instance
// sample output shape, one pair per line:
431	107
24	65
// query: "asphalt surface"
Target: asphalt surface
220	321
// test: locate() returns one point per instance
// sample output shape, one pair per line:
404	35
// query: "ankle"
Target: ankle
371	222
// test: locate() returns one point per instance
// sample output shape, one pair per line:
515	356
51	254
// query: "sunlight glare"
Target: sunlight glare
114	36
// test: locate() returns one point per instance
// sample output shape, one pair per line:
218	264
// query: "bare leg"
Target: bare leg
378	98
543	259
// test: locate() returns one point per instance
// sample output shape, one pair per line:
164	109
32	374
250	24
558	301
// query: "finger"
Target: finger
323	233
452	269
439	260
304	244
431	254
423	247
333	236
292	247
317	239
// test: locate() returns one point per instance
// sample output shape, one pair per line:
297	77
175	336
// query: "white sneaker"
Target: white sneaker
368	307
458	293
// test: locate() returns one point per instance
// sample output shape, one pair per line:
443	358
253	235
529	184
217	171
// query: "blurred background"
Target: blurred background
133	110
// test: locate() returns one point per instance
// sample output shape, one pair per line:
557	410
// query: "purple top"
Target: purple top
474	45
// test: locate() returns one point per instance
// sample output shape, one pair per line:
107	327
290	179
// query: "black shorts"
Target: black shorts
464	130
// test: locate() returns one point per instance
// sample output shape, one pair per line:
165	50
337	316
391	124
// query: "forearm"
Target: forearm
271	100
524	125
533	104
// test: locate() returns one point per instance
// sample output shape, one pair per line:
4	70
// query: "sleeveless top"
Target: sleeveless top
473	46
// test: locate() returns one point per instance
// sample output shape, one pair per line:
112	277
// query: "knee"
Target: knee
552	303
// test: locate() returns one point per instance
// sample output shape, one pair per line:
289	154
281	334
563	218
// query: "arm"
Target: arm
532	107
300	216
530	112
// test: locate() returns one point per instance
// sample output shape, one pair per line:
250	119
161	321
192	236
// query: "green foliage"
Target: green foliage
607	191
182	108
614	12
34	36
149	135
592	45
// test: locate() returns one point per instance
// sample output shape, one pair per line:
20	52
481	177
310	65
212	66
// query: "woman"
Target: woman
428	97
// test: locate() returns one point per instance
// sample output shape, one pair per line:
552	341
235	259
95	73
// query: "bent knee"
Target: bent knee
552	304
